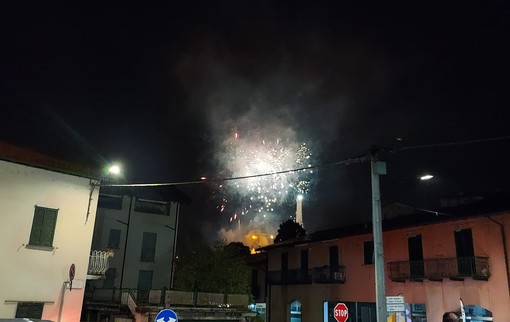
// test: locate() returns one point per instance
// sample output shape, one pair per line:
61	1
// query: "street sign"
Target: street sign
166	315
395	300
72	271
396	307
340	312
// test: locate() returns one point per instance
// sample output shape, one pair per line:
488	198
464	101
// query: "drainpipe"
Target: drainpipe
125	243
176	228
505	249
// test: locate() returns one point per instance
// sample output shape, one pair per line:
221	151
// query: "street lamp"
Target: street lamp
426	177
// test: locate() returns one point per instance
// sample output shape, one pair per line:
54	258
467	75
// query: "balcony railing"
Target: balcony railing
291	276
457	268
329	274
99	262
163	297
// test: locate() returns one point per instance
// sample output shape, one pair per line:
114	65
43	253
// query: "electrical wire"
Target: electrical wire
357	159
453	143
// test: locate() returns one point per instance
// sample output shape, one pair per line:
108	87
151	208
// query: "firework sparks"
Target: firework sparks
260	197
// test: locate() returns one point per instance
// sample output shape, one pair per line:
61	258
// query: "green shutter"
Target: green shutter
37	224
48	229
43	227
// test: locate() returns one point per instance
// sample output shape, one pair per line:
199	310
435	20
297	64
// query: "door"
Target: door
465	252
144	285
415	248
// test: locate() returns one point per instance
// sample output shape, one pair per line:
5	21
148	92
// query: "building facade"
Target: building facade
431	260
48	219
139	226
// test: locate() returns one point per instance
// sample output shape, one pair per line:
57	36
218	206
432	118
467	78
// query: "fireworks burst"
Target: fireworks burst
259	200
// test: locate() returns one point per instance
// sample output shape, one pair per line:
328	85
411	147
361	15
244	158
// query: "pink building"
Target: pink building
431	260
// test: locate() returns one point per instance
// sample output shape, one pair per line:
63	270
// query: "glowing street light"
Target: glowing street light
114	169
426	177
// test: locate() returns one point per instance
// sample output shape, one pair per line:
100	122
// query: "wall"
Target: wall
139	223
38	275
439	296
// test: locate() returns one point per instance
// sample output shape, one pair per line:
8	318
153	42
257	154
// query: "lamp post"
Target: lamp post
378	168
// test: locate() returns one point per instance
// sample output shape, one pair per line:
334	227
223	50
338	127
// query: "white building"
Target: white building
143	221
48	212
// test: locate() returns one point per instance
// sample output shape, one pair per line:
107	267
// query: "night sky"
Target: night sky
160	86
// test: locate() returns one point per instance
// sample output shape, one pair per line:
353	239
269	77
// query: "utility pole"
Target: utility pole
378	168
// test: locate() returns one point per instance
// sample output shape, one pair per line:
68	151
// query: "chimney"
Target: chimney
299	210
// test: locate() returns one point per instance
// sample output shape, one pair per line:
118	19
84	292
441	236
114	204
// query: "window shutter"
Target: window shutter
48	229
37	224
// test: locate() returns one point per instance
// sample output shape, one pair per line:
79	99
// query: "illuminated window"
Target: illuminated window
295	311
43	227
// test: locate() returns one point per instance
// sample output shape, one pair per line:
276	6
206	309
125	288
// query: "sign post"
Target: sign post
340	312
395	304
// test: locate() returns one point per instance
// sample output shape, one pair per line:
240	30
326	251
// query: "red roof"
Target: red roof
17	154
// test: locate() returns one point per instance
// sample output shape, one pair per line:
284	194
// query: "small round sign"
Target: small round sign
166	315
72	271
340	312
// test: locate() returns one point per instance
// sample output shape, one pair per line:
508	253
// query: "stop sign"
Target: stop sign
340	312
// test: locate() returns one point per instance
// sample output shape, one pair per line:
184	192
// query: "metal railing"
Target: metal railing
99	262
439	268
320	275
329	274
290	276
164	296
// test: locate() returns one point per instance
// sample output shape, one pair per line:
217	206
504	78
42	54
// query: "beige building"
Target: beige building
48	209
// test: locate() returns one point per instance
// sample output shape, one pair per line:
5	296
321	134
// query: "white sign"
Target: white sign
395	300
395	307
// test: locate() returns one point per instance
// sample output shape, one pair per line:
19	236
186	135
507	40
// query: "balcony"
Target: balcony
437	269
290	276
329	275
99	262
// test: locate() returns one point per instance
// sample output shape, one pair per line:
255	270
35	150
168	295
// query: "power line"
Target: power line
453	143
357	159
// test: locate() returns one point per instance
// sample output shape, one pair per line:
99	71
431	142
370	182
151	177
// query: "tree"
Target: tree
289	230
222	269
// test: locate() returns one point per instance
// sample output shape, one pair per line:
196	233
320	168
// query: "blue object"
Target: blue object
166	315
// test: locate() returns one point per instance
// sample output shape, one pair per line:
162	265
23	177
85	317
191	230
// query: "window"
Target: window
368	252
144	286
152	207
295	311
109	281
110	202
333	256
148	247
30	310
416	265
304	261
43	227
114	238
